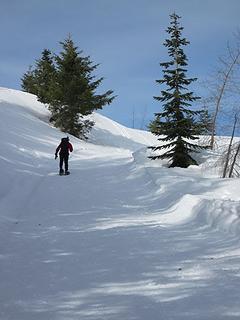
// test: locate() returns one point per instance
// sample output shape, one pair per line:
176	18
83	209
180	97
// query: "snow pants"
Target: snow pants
63	159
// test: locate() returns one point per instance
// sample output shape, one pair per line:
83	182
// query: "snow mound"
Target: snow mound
25	100
105	132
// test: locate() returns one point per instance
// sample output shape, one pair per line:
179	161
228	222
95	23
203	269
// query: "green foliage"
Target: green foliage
176	125
29	82
45	74
40	80
67	84
205	122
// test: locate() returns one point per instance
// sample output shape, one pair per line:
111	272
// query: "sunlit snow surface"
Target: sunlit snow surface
122	237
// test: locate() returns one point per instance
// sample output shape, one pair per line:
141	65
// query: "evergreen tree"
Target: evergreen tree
206	122
153	125
74	93
39	81
29	82
176	124
45	76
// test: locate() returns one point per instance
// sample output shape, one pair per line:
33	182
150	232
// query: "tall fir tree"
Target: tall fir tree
74	94
176	125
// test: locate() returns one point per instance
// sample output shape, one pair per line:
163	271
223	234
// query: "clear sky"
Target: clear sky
124	36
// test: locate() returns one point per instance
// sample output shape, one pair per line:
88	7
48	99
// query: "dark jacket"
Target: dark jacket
64	147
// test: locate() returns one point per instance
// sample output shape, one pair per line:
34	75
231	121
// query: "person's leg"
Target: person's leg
61	163
66	162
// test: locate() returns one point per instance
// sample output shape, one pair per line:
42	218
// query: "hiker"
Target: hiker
63	149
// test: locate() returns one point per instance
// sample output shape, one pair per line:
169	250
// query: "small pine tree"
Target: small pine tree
154	125
176	125
29	83
206	122
40	80
45	74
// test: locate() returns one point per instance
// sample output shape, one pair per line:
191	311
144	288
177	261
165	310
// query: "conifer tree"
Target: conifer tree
39	81
67	84
75	94
205	122
45	76
176	125
29	82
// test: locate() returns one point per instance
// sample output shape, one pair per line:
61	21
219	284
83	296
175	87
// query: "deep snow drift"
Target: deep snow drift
122	237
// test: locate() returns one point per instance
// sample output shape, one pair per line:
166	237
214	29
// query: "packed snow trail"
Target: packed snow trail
120	238
62	259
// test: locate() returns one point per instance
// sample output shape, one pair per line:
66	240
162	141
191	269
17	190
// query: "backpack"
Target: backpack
64	146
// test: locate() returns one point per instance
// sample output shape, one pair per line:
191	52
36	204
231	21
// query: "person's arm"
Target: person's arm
57	150
70	147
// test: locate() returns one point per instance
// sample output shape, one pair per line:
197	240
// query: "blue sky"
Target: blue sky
124	36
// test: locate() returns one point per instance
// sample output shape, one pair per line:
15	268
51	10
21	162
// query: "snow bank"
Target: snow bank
110	133
24	100
195	193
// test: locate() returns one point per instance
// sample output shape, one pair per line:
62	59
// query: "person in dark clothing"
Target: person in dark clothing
63	149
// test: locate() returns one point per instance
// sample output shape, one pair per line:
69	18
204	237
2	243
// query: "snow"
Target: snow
122	237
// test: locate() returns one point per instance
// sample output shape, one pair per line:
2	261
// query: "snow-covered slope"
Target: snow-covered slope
110	133
122	237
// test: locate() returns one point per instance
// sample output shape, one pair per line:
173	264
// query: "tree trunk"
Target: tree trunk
234	161
220	96
229	148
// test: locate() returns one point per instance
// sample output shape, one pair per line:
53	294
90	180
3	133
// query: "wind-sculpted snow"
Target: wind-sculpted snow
216	201
122	237
110	133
